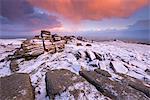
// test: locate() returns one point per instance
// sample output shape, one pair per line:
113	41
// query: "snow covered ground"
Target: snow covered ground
128	58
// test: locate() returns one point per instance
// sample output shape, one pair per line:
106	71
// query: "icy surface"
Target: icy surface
134	59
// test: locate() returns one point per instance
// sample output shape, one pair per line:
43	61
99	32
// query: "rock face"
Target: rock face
136	84
112	89
16	87
58	81
32	48
62	84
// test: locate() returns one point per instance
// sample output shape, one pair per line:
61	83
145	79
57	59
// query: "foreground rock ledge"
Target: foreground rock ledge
62	82
112	89
59	80
16	87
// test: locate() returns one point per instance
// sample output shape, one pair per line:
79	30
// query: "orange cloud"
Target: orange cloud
77	10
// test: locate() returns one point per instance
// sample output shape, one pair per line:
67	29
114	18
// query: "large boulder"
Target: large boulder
62	82
16	87
136	84
58	81
113	89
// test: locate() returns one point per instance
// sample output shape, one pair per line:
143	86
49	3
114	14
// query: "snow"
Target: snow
129	58
119	67
88	92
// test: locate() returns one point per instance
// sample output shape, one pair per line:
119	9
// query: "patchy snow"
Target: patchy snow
131	59
85	91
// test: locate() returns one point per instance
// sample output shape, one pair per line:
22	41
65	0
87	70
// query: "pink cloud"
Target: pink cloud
77	10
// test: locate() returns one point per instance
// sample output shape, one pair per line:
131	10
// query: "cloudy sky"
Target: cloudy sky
122	19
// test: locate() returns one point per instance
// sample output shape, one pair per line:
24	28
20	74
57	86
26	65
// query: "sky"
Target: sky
97	19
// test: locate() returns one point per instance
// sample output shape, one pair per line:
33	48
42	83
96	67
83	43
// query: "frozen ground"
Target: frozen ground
128	58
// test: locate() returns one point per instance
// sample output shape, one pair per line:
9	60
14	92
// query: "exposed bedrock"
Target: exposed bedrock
16	87
112	89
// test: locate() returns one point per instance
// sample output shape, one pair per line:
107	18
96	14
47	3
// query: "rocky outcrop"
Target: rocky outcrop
58	81
32	48
136	84
62	82
113	89
16	87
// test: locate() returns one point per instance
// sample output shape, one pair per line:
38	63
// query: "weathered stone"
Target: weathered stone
98	56
60	48
32	48
136	84
147	71
59	80
16	87
37	53
90	55
57	38
14	66
113	89
88	45
79	44
77	55
103	72
36	37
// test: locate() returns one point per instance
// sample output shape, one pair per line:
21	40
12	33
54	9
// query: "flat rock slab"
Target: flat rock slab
112	89
103	72
118	67
58	80
16	87
62	84
136	84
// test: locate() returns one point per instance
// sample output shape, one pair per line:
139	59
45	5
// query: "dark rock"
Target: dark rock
88	56
36	37
16	87
88	45
112	89
103	72
79	44
14	66
98	56
57	81
147	71
77	55
80	38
